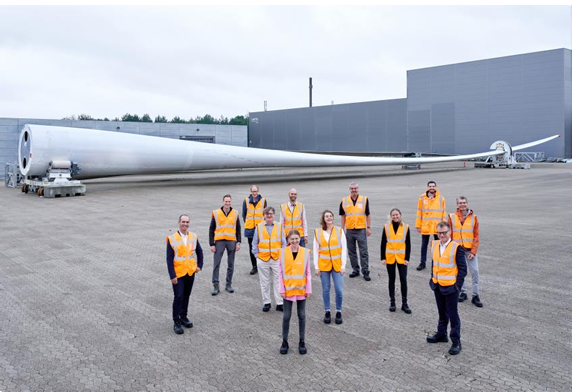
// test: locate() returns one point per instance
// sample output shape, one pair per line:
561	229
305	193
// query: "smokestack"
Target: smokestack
310	92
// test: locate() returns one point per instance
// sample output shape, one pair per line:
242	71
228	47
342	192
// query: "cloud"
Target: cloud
189	61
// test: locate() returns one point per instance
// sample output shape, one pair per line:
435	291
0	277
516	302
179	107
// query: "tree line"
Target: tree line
206	119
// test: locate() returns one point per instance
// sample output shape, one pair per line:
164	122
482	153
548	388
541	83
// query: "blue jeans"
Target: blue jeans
338	285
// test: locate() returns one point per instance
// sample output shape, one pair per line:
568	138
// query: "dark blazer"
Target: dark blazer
462	272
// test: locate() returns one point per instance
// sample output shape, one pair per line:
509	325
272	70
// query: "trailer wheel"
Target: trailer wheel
25	188
41	192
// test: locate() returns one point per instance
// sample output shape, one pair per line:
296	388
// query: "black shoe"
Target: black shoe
462	297
421	267
215	290
406	309
177	327
476	301
456	348
338	318
253	271
367	277
301	347
279	308
392	307
266	307
327	318
229	288
186	323
284	347
354	274
435	338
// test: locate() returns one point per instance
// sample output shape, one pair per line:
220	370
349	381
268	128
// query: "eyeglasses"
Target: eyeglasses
443	232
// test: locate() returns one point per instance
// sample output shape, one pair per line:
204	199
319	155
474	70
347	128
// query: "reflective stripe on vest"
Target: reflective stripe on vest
445	269
396	243
329	251
184	260
463	233
294	271
431	214
292	220
269	245
355	214
254	213
226	225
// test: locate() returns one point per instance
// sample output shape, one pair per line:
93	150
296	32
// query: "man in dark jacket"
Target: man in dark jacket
448	272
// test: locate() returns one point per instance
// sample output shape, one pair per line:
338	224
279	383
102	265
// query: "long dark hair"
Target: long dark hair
322	221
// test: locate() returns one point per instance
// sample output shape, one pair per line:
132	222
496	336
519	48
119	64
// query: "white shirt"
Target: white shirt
326	236
302	216
184	238
443	247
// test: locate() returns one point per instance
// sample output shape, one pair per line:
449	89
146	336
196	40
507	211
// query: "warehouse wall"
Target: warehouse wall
356	127
451	109
463	108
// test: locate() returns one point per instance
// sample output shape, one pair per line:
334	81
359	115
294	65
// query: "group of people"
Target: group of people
280	254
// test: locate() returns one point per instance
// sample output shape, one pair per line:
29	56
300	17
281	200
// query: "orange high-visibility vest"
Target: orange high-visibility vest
254	213
329	251
226	225
294	270
355	214
269	245
430	213
292	220
184	261
445	269
463	234
396	243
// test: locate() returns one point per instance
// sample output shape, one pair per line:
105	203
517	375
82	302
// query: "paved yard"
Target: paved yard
85	295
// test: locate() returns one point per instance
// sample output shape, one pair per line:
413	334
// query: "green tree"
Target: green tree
160	119
206	119
85	117
178	120
223	120
146	118
239	120
130	117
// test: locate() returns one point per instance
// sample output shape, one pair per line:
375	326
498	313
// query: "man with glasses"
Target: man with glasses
431	210
465	231
253	215
448	273
184	259
268	241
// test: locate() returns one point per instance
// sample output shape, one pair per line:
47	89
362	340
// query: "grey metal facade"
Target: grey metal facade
235	135
463	108
356	127
451	109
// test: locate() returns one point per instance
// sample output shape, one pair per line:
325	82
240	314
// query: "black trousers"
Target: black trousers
287	311
448	312
424	250
182	292
253	258
403	271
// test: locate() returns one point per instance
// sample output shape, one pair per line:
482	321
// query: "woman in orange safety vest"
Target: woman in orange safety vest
330	252
395	251
295	285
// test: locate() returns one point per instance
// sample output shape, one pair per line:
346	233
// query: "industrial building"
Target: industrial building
234	135
449	109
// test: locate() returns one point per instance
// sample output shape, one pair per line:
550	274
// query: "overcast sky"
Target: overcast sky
189	61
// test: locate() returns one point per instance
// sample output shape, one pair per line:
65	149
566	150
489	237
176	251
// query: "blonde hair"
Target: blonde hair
390	216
